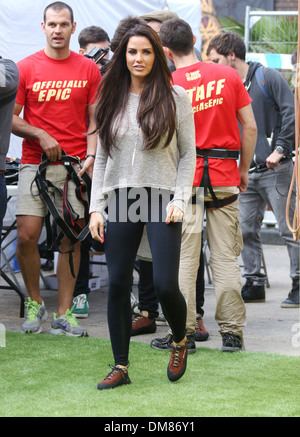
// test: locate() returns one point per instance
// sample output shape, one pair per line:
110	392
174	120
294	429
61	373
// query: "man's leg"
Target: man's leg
66	282
30	213
189	260
64	322
225	243
147	296
81	292
252	204
252	207
277	196
277	199
29	230
201	333
148	302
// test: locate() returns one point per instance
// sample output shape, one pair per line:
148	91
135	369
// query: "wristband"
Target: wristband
92	156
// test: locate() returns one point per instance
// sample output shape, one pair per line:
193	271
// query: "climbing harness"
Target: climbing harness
206	183
68	221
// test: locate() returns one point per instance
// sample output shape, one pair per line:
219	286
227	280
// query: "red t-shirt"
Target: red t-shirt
55	95
216	93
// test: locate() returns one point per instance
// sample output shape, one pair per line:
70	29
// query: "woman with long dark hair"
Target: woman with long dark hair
143	175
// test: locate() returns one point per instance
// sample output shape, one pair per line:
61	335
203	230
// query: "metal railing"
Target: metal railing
272	38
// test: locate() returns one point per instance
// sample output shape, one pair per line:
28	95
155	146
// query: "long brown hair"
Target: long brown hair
156	111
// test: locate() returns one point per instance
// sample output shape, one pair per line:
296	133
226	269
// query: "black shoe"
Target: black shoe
162	344
292	300
190	344
48	266
231	342
166	343
253	293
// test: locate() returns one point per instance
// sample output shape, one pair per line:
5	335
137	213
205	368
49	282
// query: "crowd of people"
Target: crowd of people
165	139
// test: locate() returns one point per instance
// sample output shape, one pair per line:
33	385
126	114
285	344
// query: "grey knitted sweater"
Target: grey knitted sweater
171	168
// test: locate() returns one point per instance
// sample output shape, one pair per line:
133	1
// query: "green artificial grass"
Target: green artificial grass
56	376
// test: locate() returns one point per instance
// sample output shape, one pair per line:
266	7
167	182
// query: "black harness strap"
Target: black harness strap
218	153
67	223
206	183
210	204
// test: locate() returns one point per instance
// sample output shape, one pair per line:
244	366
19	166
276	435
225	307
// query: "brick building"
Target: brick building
285	5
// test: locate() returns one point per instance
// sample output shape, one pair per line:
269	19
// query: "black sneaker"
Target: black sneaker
292	301
190	344
231	342
166	343
252	292
162	344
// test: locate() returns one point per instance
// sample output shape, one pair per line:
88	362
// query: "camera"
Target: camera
97	55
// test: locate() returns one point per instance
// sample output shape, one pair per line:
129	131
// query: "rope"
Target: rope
295	228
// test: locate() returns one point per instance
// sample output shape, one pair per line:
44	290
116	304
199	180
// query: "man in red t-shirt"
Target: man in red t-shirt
219	101
56	91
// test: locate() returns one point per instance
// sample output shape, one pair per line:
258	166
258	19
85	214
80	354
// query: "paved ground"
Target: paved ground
269	328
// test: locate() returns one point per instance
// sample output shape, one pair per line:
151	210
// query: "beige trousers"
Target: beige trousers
190	256
225	244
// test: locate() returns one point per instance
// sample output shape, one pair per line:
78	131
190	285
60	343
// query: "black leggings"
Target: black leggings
121	244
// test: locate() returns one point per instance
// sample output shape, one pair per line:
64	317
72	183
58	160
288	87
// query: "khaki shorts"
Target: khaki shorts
29	201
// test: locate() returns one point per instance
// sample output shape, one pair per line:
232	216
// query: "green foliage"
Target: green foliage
51	376
230	25
269	34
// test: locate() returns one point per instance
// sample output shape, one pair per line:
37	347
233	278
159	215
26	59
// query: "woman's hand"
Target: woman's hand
175	214
97	226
